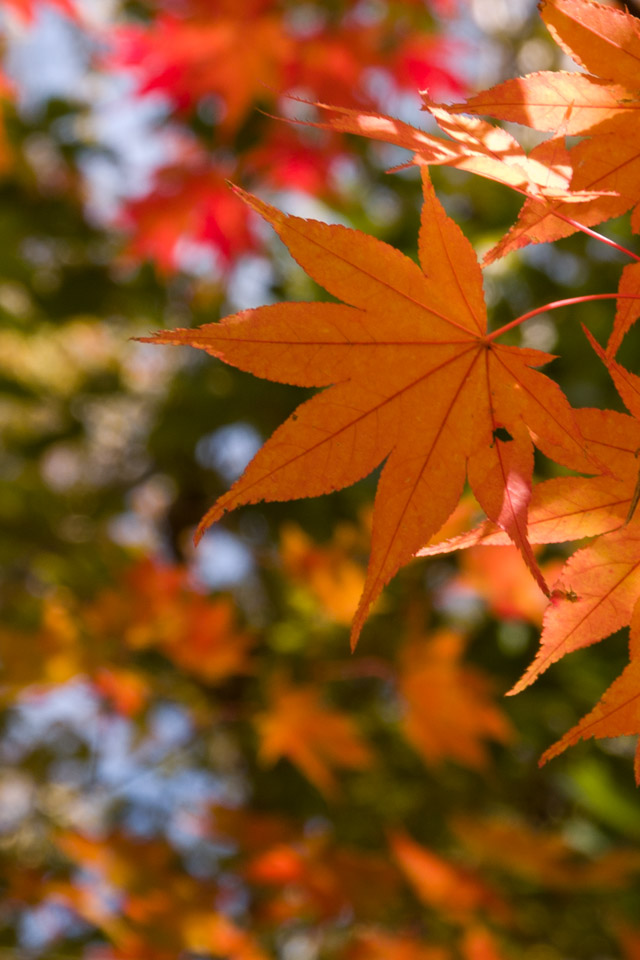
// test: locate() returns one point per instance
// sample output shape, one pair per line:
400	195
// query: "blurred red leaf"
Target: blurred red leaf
188	203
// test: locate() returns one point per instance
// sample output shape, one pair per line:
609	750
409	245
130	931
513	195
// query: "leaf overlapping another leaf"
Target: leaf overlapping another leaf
544	175
601	106
598	591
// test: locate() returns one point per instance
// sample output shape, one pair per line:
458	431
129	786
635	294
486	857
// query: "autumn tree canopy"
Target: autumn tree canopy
410	421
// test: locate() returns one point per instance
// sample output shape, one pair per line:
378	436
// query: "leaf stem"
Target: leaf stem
598	236
574	223
555	304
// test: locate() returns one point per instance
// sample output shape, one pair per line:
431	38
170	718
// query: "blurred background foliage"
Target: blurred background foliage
192	763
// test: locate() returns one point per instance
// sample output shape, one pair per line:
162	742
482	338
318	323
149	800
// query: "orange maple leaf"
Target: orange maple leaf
474	145
542	857
382	945
451	889
449	710
329	571
598	586
598	590
544	175
418	382
600	106
310	734
617	713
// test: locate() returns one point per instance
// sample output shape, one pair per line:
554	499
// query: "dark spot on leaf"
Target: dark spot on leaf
501	433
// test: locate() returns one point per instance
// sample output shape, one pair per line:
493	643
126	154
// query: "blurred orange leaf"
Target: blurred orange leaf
328	570
449	710
380	945
314	737
501	578
542	856
454	891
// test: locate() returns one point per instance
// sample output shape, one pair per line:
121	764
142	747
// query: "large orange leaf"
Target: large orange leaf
417	383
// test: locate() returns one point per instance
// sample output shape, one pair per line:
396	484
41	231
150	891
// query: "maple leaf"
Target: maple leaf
542	857
310	734
381	945
617	713
501	580
544	175
452	890
449	710
328	571
596	590
418	382
599	585
480	944
233	55
189	202
473	145
601	106
316	879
